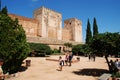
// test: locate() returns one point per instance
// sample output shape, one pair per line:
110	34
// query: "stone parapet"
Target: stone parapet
13	16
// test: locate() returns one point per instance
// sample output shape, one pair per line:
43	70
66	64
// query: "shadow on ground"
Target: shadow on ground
91	72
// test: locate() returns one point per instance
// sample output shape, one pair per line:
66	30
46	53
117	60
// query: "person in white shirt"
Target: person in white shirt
116	63
2	76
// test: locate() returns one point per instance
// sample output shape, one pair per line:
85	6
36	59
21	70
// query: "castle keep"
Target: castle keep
46	27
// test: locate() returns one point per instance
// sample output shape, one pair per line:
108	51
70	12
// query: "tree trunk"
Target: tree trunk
106	57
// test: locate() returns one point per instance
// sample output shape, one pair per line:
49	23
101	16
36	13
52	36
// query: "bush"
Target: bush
80	49
55	51
39	48
116	75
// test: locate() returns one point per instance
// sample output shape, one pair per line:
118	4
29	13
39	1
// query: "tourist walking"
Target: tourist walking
66	58
70	58
61	63
94	57
89	57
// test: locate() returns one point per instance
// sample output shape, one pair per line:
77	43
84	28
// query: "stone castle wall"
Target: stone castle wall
73	30
51	23
66	34
46	27
53	43
78	31
29	25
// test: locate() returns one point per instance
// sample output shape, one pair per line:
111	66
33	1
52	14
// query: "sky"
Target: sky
106	12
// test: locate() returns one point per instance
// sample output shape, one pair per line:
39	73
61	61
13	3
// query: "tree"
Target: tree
95	27
40	48
13	46
77	49
68	45
81	49
88	33
107	44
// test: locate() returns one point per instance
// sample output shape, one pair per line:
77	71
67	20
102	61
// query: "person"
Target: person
116	63
61	63
66	59
113	68
2	76
70	58
89	57
94	57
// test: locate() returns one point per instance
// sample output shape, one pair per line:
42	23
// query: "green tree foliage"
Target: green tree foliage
81	49
77	49
13	46
68	45
40	48
4	11
95	27
106	44
56	51
88	33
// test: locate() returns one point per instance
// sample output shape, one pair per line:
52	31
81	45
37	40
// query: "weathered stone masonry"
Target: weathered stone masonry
46	27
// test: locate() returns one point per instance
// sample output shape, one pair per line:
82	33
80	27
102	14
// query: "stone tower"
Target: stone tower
73	30
50	23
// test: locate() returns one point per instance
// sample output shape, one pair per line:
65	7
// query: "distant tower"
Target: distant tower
75	29
50	23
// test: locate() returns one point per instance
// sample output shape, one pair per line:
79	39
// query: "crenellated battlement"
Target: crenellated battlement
47	9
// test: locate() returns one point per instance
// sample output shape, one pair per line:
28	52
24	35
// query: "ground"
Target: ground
42	69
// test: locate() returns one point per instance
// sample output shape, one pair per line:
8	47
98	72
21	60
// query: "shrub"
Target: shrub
56	51
116	75
40	48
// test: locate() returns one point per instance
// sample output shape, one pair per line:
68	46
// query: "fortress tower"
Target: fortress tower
73	30
50	23
46	27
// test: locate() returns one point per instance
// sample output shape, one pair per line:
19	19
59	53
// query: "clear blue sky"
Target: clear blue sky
106	12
